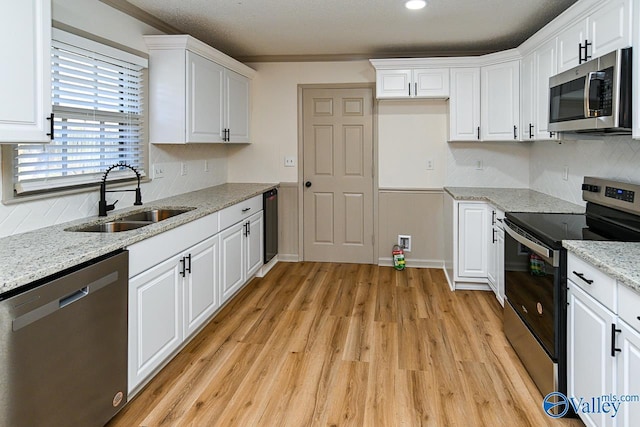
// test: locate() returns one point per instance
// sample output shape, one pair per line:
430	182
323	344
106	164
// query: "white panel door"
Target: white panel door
591	369
628	374
237	88
545	67
254	243
464	105
473	230
155	307
232	260
610	27
500	102
201	284
25	83
205	91
393	83
569	42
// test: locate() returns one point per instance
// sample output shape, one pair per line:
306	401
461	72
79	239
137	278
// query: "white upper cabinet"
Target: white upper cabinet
196	93
605	29
535	70
500	101
25	85
401	78
485	102
464	104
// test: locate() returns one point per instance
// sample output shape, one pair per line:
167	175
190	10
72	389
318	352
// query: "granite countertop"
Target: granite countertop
617	259
34	255
515	199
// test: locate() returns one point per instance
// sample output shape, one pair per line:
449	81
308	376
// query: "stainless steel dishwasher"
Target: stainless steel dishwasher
63	347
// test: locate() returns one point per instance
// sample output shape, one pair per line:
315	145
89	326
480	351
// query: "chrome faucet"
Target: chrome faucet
103	207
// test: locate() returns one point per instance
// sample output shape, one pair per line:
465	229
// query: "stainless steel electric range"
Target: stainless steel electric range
535	317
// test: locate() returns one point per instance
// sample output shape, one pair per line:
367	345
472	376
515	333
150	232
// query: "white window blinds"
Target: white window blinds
98	110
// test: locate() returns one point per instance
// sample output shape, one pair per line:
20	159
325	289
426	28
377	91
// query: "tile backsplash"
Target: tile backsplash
611	157
26	216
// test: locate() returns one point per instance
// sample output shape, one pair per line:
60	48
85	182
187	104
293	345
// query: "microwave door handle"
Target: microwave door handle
593	75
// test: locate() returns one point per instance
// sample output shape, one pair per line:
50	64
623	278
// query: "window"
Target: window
97	95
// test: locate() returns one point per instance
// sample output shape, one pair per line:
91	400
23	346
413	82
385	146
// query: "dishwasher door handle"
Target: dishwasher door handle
70	299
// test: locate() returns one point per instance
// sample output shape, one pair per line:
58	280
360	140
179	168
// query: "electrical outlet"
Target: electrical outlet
429	164
183	168
206	165
289	162
158	170
565	173
479	165
404	241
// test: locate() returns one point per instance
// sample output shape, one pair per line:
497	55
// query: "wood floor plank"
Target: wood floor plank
314	344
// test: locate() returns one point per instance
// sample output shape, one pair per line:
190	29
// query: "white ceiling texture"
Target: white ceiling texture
280	29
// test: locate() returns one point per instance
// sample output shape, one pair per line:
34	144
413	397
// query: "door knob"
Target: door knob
307	184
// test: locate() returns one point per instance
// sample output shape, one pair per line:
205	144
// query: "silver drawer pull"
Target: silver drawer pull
581	275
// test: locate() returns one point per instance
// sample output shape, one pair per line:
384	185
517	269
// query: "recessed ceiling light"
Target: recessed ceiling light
415	4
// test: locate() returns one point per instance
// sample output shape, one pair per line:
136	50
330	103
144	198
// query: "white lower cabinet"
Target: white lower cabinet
168	303
591	369
603	346
242	253
473	232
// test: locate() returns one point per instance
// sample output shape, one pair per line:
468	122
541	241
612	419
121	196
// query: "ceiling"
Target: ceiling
262	30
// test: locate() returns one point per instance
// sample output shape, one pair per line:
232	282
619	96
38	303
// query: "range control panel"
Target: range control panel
615	194
620	194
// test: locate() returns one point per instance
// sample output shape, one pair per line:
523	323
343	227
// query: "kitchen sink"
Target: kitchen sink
153	215
131	221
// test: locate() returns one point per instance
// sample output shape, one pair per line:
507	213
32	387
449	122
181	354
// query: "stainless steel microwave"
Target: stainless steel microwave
595	96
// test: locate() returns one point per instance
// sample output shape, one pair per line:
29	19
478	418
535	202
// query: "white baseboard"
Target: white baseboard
266	267
470	286
288	258
414	263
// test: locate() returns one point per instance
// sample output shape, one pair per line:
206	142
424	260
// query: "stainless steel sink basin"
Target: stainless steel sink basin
131	221
153	215
112	226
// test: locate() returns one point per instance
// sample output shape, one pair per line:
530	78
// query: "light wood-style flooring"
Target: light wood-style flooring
315	344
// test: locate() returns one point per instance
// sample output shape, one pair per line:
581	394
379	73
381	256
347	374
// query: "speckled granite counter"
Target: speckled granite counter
617	259
34	255
515	199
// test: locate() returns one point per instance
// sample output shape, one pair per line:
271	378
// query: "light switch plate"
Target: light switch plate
158	170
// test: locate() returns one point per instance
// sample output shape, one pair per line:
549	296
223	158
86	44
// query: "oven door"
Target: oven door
532	285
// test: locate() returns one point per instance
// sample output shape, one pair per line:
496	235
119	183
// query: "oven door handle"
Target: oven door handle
548	254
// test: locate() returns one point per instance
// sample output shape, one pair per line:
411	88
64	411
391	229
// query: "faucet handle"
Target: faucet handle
112	206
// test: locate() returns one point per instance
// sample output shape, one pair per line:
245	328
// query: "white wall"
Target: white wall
275	115
613	157
97	18
410	133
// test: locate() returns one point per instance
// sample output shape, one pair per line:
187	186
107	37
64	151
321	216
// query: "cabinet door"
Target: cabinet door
464	105
237	106
492	251
545	67
25	85
500	265
591	369
610	27
393	83
527	105
569	42
232	262
201	284
255	244
204	99
155	330
473	226
500	102
431	83
628	374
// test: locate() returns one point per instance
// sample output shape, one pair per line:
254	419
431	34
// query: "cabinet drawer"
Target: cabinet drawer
594	282
240	211
629	306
